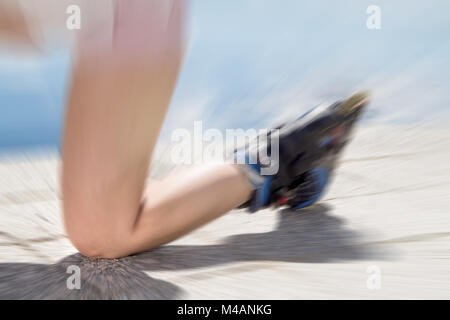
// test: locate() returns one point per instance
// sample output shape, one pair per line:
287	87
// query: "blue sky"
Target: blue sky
257	63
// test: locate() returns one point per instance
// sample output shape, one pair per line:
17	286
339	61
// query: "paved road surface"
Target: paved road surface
387	212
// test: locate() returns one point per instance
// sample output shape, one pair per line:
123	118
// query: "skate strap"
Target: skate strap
262	195
321	177
261	184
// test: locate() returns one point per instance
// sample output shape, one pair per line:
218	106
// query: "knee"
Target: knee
95	247
96	241
87	245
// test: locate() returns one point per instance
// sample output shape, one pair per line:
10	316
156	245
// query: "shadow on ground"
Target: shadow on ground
314	236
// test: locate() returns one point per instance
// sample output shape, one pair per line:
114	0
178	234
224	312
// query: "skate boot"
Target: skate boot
295	162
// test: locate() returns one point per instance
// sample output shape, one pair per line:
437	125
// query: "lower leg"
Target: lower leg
117	103
185	201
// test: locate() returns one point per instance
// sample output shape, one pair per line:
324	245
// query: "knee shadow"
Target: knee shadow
100	279
312	236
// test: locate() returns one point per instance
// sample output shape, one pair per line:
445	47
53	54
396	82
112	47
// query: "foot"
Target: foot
308	149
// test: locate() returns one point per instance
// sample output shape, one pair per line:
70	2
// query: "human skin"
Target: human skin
124	74
13	24
123	79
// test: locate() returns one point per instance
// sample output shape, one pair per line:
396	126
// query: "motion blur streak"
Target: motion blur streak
252	65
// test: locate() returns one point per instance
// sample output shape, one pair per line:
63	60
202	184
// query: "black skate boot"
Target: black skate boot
295	162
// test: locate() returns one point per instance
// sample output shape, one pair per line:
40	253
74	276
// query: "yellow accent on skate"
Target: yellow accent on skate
354	101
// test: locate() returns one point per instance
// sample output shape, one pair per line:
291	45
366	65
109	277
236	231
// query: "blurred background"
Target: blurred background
255	63
252	63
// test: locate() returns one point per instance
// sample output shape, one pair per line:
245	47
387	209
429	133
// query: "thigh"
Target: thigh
123	78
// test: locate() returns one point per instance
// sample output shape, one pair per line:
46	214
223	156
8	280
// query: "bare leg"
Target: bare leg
13	24
120	93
